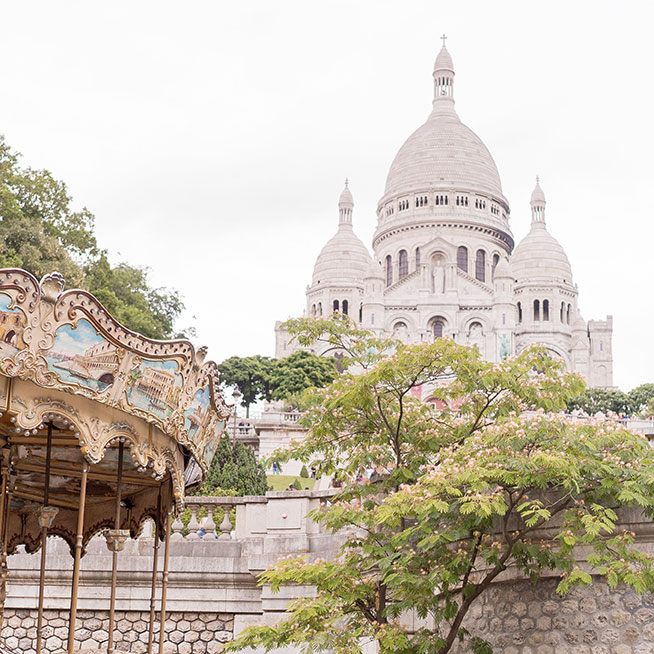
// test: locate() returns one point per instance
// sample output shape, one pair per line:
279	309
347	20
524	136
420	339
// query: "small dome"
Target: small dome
374	270
503	269
344	259
540	257
444	61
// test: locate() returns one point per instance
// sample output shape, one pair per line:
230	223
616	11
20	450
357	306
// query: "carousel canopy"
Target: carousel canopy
78	385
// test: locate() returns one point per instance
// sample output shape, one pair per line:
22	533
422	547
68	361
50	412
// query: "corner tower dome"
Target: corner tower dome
344	259
539	256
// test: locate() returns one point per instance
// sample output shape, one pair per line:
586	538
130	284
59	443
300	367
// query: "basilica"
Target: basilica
444	261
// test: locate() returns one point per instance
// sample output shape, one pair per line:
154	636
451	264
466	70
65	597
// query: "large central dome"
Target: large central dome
443	153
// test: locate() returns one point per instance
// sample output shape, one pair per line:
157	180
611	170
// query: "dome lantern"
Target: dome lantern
345	206
443	75
538	204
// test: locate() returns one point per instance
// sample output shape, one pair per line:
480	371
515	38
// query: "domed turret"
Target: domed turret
503	269
344	259
374	270
539	256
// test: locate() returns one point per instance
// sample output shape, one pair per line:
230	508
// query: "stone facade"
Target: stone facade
187	633
444	262
520	618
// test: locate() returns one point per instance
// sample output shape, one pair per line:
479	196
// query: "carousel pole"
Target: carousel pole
4	522
164	586
78	557
114	562
45	520
154	573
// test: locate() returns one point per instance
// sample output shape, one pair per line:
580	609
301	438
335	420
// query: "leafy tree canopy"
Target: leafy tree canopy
252	374
606	400
263	378
40	232
300	371
640	397
465	488
602	400
234	468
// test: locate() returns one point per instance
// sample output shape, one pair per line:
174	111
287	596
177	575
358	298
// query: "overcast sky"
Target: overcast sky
211	139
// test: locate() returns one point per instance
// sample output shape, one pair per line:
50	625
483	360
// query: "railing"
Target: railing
277	418
233	518
206	527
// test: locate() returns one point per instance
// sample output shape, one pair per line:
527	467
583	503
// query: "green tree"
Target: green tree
235	468
252	374
602	400
300	371
639	398
466	486
40	232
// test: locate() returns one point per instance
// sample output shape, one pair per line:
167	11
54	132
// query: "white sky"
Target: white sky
211	139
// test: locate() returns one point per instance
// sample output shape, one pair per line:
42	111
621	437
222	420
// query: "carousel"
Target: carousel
101	429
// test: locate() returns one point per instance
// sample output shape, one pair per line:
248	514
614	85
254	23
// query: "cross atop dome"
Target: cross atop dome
443	38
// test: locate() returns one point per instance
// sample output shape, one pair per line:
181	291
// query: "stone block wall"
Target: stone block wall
186	633
519	618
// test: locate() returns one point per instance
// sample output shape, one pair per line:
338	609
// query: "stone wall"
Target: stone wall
519	618
186	633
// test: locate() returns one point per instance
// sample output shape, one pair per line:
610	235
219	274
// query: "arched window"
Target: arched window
569	313
361	312
519	312
404	264
480	266
496	260
462	258
562	311
335	306
345	306
417	258
389	270
438	327
320	308
546	309
313	309
536	310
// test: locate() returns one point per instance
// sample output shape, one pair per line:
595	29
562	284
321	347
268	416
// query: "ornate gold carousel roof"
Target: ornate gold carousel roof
70	370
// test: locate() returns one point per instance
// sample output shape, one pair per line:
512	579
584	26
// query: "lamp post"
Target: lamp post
236	395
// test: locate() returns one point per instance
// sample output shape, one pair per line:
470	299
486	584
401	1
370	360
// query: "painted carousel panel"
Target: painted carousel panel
196	416
12	326
80	355
155	386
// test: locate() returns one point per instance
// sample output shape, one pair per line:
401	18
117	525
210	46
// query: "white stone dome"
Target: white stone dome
540	257
443	153
374	270
344	259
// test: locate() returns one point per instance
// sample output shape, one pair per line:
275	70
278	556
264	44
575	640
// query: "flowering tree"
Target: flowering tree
483	477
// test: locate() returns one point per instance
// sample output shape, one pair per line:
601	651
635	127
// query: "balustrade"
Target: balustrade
209	520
